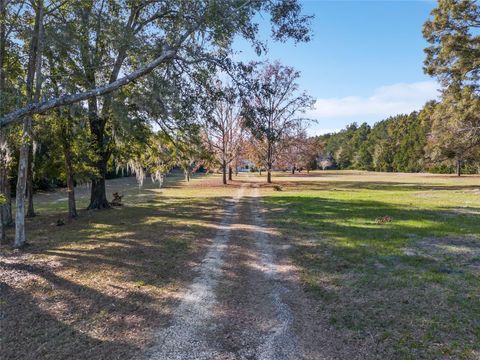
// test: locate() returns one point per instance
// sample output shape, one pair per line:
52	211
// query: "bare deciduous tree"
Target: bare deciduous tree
272	106
224	129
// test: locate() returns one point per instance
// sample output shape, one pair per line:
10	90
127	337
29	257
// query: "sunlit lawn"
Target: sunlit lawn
406	287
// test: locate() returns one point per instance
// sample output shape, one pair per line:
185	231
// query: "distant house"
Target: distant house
245	165
325	163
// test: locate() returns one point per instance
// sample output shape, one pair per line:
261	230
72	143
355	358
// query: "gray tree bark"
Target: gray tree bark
30	207
35	55
5	209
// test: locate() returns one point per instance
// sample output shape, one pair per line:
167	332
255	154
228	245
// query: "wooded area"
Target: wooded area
74	129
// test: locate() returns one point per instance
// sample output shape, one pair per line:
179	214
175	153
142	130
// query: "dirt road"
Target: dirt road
245	302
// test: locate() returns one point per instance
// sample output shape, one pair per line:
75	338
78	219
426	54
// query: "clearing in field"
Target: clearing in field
323	265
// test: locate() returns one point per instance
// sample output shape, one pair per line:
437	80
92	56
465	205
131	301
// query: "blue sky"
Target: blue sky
364	62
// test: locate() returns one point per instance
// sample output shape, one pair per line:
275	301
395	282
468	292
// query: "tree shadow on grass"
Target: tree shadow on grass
376	185
30	332
111	276
378	285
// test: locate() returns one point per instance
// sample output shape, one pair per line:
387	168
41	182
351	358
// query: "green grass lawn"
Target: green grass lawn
407	286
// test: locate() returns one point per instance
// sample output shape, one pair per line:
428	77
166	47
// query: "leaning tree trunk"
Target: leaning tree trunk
6	208
34	68
230	173
20	237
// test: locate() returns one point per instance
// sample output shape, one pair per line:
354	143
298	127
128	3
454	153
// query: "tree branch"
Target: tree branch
42	107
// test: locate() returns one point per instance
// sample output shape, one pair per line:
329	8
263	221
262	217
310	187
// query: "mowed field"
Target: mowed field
390	262
393	260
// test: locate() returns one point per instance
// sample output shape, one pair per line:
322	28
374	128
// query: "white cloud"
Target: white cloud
385	101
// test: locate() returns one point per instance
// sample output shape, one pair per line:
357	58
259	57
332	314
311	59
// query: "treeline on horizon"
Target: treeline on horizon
401	143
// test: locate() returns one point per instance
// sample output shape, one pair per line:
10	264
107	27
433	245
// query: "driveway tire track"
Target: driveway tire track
185	338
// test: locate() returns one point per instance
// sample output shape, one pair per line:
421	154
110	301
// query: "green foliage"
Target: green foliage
454	43
452	57
427	141
396	144
454	127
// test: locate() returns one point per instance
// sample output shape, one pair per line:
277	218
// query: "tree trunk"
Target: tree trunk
65	129
187	175
224	173
72	208
230	173
98	195
67	154
293	170
269	163
459	167
6	208
30	209
3	178
20	238
3	51
33	62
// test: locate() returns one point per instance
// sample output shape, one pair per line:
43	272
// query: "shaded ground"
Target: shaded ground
97	287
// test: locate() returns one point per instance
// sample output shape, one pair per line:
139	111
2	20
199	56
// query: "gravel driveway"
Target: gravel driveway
245	302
